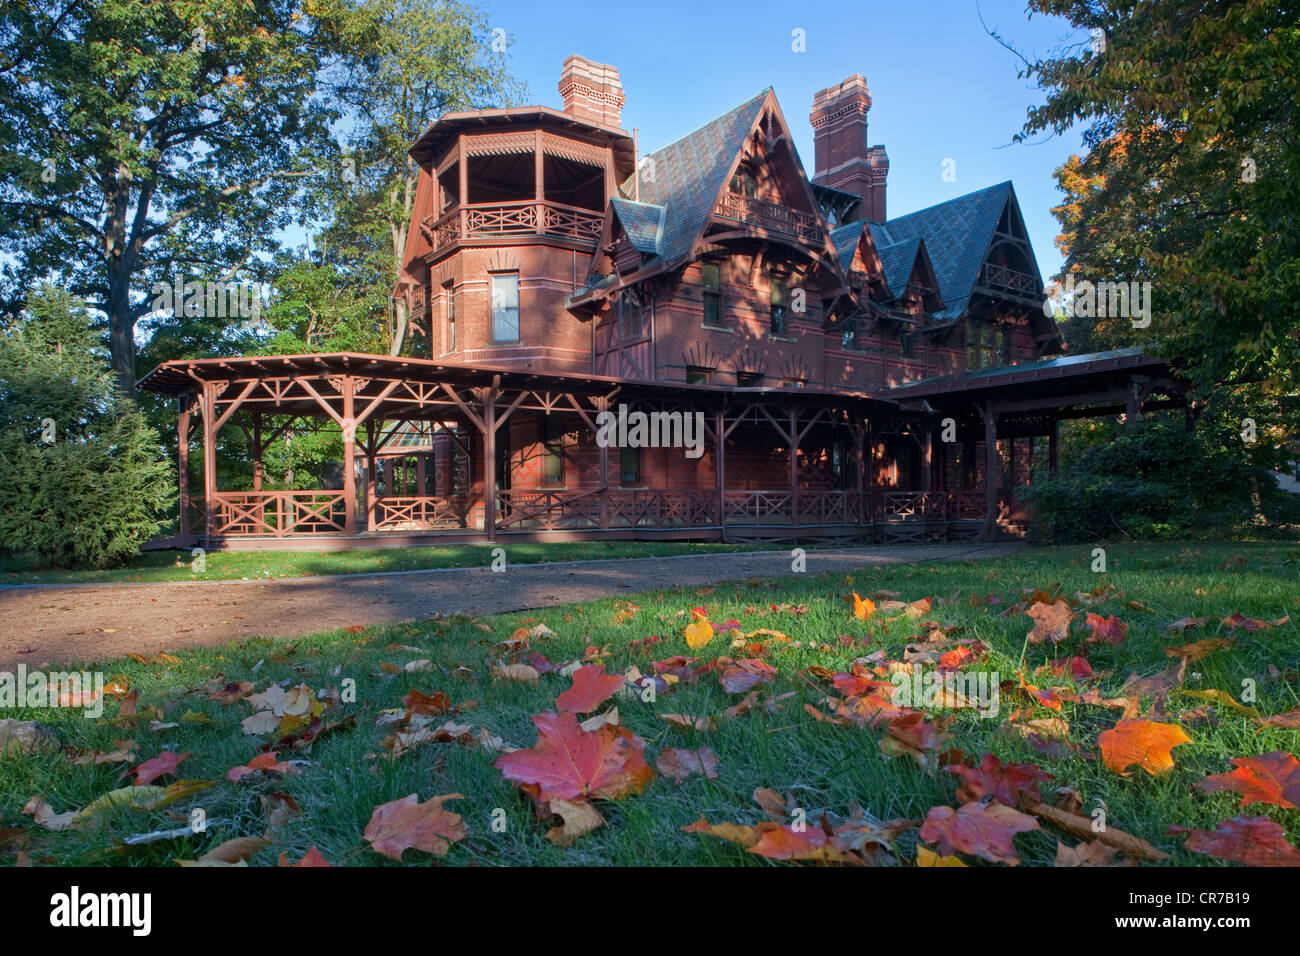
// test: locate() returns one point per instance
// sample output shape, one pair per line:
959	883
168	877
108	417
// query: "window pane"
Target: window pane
629	465
712	276
505	307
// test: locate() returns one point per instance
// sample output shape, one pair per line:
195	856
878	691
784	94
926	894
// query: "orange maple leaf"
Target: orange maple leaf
1143	742
863	608
159	766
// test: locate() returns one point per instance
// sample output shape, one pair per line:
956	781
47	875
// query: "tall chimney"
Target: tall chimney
592	91
842	159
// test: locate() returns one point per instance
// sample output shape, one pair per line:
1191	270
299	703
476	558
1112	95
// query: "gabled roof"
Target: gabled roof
957	234
689	174
845	241
643	223
898	260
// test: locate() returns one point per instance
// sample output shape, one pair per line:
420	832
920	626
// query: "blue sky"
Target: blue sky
941	88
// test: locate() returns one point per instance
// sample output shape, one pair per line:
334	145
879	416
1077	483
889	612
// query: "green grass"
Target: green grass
228	565
823	766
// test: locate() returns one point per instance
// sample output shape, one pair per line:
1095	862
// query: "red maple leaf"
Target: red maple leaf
591	687
408	824
1255	841
161	765
568	762
1105	630
743	675
983	830
1003	782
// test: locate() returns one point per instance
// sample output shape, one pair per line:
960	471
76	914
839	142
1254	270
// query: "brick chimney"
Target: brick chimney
843	160
592	91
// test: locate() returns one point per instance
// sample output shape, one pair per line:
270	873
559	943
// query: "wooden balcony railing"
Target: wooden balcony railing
527	218
772	216
277	513
1000	277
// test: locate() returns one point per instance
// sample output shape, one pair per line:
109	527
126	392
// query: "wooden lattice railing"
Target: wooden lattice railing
527	218
413	512
770	215
277	513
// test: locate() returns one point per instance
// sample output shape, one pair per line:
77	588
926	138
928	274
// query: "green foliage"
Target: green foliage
101	489
1156	481
1189	183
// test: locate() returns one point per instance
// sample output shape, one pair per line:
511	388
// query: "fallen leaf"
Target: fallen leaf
159	766
591	687
680	764
579	817
567	762
1143	742
983	830
1254	841
408	824
1272	778
1051	622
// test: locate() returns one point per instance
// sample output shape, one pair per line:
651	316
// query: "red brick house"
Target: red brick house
853	375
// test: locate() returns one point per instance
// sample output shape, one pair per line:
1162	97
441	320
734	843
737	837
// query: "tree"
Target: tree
142	141
429	59
1191	128
83	479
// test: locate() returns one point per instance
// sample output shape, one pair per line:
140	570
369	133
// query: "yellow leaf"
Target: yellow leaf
698	633
927	857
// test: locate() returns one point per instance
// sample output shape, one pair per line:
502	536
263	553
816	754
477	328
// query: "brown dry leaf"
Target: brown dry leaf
43	815
688	722
1051	622
1158	685
1290	720
579	817
518	672
1081	827
230	853
1200	649
1088	853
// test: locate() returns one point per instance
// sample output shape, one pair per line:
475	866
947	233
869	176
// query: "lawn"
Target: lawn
809	768
234	565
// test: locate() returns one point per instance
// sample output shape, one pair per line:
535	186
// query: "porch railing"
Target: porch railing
415	512
770	215
277	513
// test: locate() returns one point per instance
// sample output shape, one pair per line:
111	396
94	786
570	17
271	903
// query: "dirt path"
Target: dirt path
84	623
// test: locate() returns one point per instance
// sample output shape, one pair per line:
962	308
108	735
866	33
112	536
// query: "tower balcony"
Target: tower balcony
771	216
505	220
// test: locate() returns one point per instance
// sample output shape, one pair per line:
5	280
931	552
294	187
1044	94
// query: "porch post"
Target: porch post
490	465
1053	442
463	170
794	465
927	458
257	452
373	428
990	471
209	463
349	457
1132	407
183	458
539	189
720	467
419	474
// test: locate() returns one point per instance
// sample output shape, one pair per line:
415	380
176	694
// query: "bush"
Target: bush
1157	481
100	489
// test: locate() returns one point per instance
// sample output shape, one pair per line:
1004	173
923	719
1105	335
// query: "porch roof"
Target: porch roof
186	376
1064	379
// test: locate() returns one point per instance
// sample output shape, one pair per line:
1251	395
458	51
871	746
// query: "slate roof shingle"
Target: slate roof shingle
643	223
